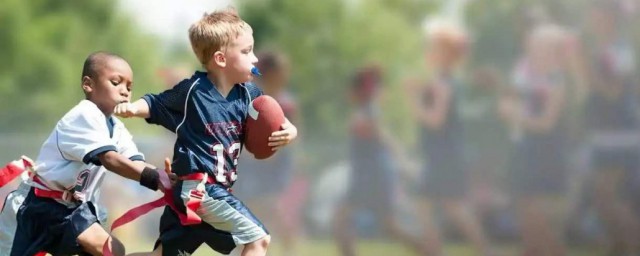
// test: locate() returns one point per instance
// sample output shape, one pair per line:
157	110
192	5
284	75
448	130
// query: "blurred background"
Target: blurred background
426	127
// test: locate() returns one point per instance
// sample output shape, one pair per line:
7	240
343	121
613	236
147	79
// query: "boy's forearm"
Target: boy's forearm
121	165
142	108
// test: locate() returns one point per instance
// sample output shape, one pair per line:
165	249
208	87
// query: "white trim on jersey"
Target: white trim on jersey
249	99
186	100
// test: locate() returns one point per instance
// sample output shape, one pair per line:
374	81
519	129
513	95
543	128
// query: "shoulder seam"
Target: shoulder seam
58	146
186	100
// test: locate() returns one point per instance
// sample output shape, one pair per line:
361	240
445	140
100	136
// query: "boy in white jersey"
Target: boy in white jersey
59	215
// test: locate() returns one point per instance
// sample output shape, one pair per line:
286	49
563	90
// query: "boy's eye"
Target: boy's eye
115	83
248	50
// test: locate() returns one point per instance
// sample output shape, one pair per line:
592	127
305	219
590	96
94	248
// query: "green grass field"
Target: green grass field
369	248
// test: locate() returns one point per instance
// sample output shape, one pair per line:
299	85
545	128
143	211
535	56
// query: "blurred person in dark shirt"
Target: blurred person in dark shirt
436	108
534	110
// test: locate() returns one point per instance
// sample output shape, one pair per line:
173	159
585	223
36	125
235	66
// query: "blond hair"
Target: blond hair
445	32
215	31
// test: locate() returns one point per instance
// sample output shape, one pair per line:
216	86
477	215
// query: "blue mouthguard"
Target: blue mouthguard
255	71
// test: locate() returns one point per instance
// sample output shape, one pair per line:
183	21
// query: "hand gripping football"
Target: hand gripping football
265	117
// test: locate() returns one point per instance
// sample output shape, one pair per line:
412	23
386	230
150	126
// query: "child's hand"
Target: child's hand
283	137
125	110
168	181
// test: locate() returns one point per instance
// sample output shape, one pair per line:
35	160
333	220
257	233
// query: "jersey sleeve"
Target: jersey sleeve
83	137
128	148
167	108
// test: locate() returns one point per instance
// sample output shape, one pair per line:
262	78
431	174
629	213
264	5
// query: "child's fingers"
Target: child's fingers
278	143
280	138
167	165
277	134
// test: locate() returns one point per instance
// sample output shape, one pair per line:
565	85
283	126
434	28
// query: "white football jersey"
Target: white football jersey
68	158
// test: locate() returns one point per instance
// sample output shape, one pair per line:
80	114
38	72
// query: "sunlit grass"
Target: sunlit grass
371	248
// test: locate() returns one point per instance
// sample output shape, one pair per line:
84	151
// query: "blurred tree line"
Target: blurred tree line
43	45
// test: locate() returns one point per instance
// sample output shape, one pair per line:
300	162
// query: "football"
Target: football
265	117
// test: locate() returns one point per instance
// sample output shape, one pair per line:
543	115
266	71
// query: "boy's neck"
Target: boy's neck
220	83
107	112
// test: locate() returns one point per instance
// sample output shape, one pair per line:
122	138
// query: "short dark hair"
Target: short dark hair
95	61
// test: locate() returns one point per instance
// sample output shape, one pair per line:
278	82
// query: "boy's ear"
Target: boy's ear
87	84
219	59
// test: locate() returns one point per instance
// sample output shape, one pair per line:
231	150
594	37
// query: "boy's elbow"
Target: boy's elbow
108	159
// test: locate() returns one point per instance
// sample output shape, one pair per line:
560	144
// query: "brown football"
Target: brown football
265	117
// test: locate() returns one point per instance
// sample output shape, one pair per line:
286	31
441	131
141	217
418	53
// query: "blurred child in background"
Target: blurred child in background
534	111
373	176
436	109
613	128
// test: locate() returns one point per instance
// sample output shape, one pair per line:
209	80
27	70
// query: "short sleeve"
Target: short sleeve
83	136
167	108
127	147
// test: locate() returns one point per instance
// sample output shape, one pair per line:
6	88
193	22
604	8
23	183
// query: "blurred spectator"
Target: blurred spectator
436	109
534	110
372	182
613	124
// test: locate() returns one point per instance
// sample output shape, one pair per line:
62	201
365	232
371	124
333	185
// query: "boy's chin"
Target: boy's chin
249	78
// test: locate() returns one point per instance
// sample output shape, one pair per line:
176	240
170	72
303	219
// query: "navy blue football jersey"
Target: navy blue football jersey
209	126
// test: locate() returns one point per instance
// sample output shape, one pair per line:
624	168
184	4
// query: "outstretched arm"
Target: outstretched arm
136	170
139	108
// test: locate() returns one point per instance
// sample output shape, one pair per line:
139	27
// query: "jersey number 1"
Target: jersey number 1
233	151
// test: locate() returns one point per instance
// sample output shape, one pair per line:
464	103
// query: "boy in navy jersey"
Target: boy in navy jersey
207	112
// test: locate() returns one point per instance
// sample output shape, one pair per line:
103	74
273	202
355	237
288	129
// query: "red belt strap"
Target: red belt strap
53	194
11	171
14	169
188	218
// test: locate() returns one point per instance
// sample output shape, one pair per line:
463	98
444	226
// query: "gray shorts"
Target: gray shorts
226	223
8	221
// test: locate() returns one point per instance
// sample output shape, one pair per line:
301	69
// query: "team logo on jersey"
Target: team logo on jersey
224	128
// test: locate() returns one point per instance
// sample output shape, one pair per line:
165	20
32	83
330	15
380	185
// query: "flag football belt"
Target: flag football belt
14	169
188	217
67	196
